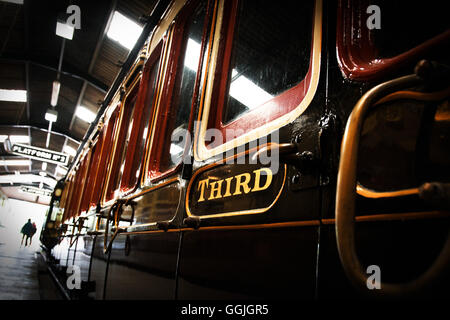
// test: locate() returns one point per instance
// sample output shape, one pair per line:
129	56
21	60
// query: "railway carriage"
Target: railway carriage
266	149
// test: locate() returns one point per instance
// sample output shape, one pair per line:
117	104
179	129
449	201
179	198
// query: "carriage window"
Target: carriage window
91	199
86	164
125	125
71	197
90	176
264	65
173	121
270	53
430	21
403	33
65	199
79	179
139	124
108	132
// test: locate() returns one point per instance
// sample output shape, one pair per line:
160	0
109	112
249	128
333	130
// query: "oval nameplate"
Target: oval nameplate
227	190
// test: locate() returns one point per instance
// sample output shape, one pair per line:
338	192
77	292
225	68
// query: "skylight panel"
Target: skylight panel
124	30
85	114
70	151
13	95
15	138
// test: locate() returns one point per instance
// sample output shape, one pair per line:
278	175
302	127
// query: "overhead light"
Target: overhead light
15	162
85	114
44	166
14	1
241	88
55	93
27	179
124	30
192	56
13	95
144	135
51	115
70	151
15	138
61	170
64	30
247	92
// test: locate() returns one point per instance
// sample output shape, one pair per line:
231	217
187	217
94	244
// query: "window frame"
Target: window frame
357	59
175	53
254	128
121	125
65	200
155	56
84	171
112	115
79	178
95	150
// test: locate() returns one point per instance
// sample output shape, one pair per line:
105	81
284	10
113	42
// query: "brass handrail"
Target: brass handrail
346	196
374	194
118	212
415	95
106	245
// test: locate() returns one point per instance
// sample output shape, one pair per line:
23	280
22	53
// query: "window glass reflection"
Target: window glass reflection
270	54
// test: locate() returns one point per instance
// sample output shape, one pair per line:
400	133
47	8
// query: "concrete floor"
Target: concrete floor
18	273
20	278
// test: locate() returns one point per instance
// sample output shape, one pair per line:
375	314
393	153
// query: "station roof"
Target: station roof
33	56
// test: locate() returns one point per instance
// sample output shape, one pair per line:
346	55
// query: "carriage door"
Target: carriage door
392	202
148	187
95	238
250	228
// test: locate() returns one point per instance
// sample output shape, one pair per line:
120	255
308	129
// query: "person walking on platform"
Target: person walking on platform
33	231
26	231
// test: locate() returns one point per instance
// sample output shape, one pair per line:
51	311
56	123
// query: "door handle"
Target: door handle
165	225
192	222
436	194
289	153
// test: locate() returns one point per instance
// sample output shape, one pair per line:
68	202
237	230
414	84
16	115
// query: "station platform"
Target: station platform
23	276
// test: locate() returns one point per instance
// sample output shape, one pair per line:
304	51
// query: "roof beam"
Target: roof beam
94	56
67	136
69	70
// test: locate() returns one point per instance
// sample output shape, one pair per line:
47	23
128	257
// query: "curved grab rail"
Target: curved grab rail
346	195
415	95
107	245
117	218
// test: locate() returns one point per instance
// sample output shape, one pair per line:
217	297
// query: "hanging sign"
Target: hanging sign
41	154
36	191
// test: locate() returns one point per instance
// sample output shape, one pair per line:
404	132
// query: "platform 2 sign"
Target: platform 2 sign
39	154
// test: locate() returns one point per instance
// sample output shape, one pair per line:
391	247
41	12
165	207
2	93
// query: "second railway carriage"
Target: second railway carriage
266	149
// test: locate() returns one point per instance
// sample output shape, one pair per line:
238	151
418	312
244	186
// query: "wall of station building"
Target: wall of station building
13	215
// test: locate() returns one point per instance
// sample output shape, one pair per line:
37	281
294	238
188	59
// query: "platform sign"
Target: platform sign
35	191
41	154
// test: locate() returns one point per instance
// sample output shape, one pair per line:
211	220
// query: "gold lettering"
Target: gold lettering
216	188
228	186
201	186
257	187
244	183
